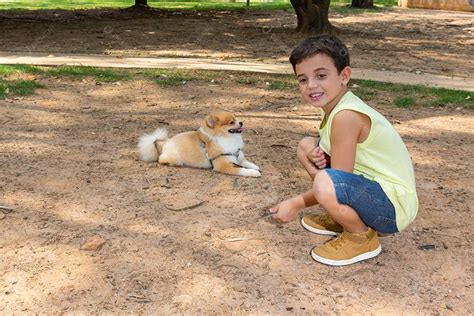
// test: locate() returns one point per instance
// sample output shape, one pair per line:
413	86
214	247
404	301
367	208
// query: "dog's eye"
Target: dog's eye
231	123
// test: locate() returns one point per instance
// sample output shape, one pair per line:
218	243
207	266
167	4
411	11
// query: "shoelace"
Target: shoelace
338	242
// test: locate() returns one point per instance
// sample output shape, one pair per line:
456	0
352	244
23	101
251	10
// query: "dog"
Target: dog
216	145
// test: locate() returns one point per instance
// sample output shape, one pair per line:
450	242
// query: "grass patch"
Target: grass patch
12	69
72	72
404	102
279	84
405	96
79	72
246	81
271	82
17	87
417	95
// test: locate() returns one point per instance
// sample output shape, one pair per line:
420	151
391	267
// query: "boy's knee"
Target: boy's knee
305	145
323	188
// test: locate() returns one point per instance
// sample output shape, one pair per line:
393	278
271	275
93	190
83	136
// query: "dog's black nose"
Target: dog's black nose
241	124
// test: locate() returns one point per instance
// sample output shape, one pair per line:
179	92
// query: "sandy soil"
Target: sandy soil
95	230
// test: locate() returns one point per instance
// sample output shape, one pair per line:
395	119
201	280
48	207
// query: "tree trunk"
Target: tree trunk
141	4
312	16
362	4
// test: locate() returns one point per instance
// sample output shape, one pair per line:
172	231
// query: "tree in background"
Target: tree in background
362	4
312	16
141	4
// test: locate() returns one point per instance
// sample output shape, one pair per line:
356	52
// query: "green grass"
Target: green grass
417	95
405	96
72	72
280	84
17	87
273	82
11	69
168	4
79	72
404	102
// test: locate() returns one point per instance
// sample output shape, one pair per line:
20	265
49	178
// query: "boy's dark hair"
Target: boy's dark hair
322	44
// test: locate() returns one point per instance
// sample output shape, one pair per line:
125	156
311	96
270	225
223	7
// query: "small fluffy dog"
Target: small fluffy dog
216	145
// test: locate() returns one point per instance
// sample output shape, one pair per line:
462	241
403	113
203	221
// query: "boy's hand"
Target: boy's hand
318	157
286	211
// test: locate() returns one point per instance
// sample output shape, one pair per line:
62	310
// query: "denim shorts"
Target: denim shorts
367	198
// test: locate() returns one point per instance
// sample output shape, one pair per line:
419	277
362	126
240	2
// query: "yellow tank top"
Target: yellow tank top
382	157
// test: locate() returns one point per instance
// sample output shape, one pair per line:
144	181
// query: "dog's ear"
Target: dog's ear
211	121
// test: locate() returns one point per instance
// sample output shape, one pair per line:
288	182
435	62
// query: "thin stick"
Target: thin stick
240	239
138	298
6	209
185	208
280	145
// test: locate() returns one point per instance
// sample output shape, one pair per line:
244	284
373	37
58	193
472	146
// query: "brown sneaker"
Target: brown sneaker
348	248
321	224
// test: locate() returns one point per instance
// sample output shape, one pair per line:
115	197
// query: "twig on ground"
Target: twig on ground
184	208
281	145
139	298
6	209
148	181
234	239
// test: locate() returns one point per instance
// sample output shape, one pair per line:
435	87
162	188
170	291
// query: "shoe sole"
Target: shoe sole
364	256
318	231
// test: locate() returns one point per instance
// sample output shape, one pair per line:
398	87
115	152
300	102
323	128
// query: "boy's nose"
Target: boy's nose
312	83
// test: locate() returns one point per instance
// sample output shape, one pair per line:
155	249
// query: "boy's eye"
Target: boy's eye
322	76
302	80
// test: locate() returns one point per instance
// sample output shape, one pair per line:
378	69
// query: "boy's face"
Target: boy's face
320	83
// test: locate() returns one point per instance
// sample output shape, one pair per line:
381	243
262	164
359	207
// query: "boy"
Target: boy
370	185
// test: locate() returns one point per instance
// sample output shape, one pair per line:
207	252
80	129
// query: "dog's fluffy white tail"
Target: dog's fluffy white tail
147	144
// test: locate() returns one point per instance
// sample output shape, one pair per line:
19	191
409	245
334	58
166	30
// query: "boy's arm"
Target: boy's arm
288	210
346	130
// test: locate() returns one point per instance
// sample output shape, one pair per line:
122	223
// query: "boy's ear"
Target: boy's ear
346	74
211	121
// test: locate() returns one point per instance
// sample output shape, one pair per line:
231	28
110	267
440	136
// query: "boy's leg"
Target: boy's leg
316	223
357	242
355	201
346	216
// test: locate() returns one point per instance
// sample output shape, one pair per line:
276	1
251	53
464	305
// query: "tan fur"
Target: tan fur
212	146
222	164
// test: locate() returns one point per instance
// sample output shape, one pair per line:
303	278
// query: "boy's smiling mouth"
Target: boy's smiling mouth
316	96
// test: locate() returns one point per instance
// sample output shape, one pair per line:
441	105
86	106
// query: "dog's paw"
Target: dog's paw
249	172
247	164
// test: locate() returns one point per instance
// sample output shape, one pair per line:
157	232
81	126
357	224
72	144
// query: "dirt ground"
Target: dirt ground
95	230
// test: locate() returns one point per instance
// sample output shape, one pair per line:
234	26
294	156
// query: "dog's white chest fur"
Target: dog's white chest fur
230	144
